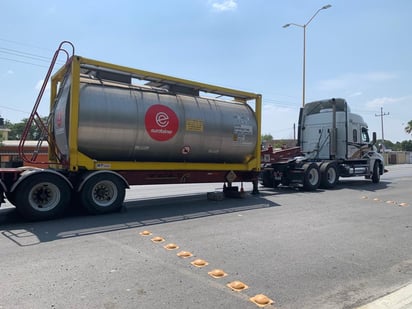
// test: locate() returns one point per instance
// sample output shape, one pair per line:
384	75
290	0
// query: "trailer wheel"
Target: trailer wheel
329	175
102	193
11	197
42	196
311	177
376	176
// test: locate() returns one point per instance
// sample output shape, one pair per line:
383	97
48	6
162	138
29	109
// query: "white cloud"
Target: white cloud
40	84
7	73
279	121
385	101
350	80
225	5
378	76
355	94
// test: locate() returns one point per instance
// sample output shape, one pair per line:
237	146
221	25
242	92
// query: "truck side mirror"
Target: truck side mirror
373	138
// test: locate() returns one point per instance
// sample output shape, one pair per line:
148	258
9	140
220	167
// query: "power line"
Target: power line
25	62
25	55
19	53
24	44
14	109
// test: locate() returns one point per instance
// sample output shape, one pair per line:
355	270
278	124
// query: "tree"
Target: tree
267	138
408	128
406	145
16	129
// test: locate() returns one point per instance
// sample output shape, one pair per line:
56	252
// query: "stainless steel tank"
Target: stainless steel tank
132	124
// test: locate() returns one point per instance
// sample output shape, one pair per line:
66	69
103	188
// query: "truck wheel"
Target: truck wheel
267	179
311	177
329	175
42	196
376	176
102	193
11	197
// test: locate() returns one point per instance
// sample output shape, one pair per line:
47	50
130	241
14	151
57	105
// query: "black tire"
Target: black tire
376	176
329	175
42	196
103	193
311	176
267	178
11	197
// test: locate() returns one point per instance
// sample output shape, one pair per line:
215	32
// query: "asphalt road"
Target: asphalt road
340	248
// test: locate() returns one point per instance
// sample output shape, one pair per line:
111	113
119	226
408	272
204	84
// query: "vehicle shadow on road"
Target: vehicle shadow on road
135	214
352	184
361	185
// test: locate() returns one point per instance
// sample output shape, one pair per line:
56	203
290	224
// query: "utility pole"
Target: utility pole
304	47
382	114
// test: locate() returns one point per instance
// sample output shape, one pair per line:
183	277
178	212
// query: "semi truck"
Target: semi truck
112	126
332	142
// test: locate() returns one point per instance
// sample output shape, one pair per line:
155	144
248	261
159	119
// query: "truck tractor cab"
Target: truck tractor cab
328	130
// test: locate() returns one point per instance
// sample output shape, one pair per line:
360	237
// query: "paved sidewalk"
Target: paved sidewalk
400	299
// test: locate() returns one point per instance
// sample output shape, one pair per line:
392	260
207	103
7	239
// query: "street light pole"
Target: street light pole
304	47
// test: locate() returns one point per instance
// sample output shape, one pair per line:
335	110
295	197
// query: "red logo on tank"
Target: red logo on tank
161	122
59	119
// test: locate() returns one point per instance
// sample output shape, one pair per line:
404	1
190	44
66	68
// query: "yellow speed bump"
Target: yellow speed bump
217	273
261	300
157	239
145	233
237	286
184	254
199	263
171	247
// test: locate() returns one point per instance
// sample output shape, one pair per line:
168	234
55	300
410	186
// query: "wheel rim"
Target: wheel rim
313	176
44	196
331	175
104	193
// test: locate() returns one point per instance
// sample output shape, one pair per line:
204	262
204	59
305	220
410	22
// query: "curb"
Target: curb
400	299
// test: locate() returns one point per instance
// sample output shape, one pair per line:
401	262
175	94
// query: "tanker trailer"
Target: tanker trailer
130	123
112	126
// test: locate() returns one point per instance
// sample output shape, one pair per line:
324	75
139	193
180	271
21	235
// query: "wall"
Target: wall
398	157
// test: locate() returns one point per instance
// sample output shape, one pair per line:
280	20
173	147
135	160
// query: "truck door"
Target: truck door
357	141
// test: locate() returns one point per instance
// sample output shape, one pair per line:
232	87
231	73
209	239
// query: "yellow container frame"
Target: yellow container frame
79	161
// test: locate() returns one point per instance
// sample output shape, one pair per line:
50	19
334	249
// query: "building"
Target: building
9	153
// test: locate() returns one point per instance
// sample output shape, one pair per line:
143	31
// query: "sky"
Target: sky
356	50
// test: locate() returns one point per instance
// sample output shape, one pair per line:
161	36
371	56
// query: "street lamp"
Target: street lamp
304	45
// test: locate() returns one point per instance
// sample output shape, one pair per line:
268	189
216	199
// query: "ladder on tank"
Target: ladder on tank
36	122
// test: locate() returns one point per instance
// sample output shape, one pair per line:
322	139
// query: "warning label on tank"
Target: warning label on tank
161	122
241	133
194	125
